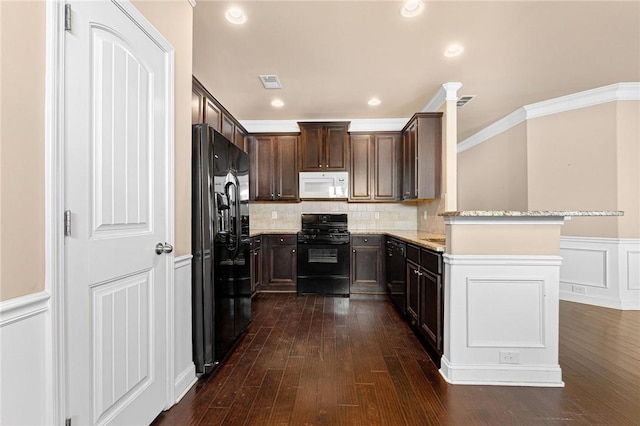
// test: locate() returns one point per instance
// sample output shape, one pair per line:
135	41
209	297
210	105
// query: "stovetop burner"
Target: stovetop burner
324	227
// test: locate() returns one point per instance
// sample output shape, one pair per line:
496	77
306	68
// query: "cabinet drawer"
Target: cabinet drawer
366	240
282	239
431	261
413	253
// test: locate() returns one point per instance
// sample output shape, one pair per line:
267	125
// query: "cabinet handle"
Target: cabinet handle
354	250
279	195
366	240
255	253
293	251
327	165
320	165
282	240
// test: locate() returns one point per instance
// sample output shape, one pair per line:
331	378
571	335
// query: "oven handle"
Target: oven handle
324	243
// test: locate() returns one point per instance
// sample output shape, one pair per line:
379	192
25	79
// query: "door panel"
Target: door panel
116	148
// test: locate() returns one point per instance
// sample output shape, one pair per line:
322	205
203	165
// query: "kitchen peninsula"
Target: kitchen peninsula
501	298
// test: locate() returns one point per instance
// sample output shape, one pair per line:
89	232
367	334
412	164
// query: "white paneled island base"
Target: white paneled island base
501	297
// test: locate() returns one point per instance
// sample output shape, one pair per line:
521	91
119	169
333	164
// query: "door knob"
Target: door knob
163	248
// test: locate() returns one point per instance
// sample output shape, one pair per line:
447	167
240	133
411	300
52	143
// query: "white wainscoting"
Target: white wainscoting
185	370
601	271
501	320
25	360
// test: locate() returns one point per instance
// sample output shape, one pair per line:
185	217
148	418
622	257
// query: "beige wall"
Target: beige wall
628	127
174	19
22	91
493	175
584	159
22	84
572	165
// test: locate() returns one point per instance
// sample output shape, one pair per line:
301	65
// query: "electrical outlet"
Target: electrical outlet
578	289
274	214
376	215
507	357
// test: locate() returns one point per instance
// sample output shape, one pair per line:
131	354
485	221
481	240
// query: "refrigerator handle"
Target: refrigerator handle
233	227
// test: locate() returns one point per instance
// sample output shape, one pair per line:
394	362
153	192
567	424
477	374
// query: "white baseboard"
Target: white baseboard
501	375
601	271
184	382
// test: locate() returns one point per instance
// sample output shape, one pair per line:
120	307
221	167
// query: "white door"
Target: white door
116	186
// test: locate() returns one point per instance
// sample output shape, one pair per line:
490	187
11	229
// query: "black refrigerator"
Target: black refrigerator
221	283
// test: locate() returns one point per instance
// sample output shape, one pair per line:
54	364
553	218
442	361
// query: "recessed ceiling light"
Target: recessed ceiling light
235	15
277	103
412	8
453	50
374	102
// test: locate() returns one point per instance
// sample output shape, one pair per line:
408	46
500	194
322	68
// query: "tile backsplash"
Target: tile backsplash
433	223
361	216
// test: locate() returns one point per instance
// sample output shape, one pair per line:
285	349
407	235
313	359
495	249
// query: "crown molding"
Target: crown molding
600	95
356	125
446	92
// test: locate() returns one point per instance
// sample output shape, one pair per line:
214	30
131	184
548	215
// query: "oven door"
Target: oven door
323	268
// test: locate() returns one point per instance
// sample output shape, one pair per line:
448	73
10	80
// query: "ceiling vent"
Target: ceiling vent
270	81
463	100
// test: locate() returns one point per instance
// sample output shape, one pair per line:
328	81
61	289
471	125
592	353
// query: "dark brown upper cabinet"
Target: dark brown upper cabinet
422	152
323	146
227	126
274	174
206	109
376	165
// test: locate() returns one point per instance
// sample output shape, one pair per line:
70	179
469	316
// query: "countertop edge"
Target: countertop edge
532	213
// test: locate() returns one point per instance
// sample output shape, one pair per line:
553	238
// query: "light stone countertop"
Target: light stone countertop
532	213
423	239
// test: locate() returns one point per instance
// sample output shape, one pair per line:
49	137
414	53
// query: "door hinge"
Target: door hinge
67	422
67	223
67	17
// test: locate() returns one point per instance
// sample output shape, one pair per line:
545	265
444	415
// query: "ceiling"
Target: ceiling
332	56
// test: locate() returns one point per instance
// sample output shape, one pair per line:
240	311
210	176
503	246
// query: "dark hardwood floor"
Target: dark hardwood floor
314	360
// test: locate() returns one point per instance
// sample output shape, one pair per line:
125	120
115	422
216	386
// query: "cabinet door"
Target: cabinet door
386	159
227	126
239	138
256	269
431	309
429	153
413	291
197	106
335	147
360	176
286	176
262	165
409	161
212	114
311	150
366	264
279	263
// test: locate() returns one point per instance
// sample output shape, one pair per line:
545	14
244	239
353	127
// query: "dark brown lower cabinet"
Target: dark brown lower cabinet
425	298
256	264
367	264
279	263
431	309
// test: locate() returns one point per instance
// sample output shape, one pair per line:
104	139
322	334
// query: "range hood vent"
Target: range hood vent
463	100
270	81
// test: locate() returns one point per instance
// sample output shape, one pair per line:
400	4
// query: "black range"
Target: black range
323	255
